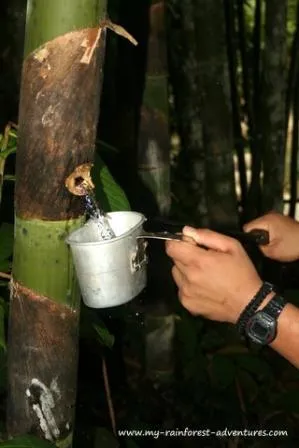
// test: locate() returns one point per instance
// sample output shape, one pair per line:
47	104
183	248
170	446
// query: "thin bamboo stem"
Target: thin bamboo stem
294	153
109	396
239	143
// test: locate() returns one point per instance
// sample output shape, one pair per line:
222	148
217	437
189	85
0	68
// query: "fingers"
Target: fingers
190	240
211	239
177	276
189	254
183	252
260	223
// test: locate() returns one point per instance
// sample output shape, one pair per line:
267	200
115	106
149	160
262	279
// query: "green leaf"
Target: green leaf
104	438
10	177
223	371
104	336
26	442
109	194
2	324
6	241
4	154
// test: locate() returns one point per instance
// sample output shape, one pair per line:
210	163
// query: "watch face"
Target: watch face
261	328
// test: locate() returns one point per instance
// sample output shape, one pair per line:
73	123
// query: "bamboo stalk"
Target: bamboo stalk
272	106
245	67
215	100
57	131
253	205
232	59
184	67
293	71
256	54
154	170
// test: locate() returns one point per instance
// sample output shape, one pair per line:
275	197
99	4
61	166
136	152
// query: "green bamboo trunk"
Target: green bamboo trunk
58	117
154	171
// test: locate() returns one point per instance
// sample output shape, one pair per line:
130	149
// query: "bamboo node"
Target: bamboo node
79	181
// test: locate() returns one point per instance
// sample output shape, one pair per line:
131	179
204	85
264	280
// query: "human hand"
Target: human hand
216	283
283	234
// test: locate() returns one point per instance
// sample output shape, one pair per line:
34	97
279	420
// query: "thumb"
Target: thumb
210	239
259	223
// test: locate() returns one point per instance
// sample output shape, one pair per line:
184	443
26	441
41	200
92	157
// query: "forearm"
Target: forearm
287	341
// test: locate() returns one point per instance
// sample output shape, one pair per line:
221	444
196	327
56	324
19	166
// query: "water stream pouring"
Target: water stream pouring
96	213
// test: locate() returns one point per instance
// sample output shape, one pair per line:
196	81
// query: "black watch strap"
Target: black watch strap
275	306
253	305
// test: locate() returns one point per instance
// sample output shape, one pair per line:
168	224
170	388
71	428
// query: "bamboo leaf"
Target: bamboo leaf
109	194
4	154
104	336
26	442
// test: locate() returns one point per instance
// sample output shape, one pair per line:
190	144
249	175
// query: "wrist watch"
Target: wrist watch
262	326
